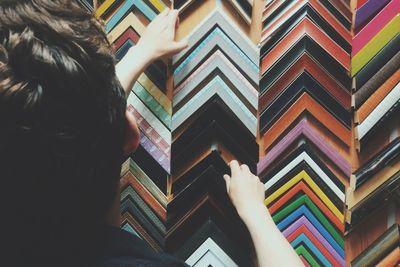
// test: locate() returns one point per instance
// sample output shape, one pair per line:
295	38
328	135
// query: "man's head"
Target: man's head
62	116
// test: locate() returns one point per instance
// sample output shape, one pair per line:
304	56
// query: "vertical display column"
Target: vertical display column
144	176
372	200
215	102
305	124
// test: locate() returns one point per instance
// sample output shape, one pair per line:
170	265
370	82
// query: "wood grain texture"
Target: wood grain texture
306	63
377	97
392	259
379	248
306	27
317	6
306	103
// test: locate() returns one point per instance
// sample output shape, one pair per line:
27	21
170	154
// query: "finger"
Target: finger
179	46
172	18
235	168
244	168
227	179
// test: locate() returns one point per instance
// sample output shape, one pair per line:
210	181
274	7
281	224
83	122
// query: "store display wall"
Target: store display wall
304	92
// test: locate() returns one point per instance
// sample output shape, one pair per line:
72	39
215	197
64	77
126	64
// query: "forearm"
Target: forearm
131	66
271	246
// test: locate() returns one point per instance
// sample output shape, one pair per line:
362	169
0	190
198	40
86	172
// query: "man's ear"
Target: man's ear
132	135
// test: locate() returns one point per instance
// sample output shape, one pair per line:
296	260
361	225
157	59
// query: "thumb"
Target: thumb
227	179
179	46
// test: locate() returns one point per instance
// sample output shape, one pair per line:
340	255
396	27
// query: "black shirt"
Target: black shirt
102	246
127	250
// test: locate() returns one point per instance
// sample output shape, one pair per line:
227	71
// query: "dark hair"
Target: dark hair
62	119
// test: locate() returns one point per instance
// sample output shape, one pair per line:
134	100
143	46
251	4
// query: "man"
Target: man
64	132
